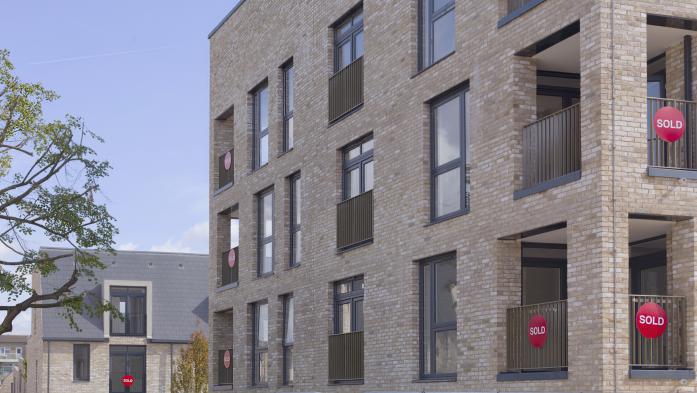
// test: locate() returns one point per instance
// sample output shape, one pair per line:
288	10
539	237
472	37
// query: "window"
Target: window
261	126
288	105
288	338
229	235
127	360
265	233
260	344
81	362
295	218
130	301
348	39
450	167
438	298
437	27
348	306
358	167
18	351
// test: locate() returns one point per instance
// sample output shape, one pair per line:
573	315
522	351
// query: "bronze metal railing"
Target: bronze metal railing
224	374
552	147
681	153
346	357
225	176
354	220
346	90
666	351
522	355
229	275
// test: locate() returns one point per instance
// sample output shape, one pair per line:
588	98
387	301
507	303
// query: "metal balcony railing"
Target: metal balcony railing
229	275
224	373
346	90
226	176
346	357
681	154
522	356
354	221
667	350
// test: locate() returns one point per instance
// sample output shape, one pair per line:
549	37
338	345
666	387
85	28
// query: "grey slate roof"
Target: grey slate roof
179	286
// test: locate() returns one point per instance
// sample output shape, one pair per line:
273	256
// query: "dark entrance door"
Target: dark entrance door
126	360
543	275
649	274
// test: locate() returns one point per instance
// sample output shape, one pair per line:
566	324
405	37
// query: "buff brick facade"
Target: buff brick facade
601	215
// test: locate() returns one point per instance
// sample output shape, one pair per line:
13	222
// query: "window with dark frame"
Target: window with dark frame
288	105
288	338
348	305
229	264
358	167
81	362
348	39
131	303
295	219
260	344
438	327
261	126
450	165
437	30
265	251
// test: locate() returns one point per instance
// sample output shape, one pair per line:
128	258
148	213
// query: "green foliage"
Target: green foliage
49	176
191	373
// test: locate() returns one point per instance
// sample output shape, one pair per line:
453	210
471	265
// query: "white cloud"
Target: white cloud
130	246
194	239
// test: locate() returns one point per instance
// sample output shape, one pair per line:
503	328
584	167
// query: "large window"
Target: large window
450	168
358	167
348	39
288	105
81	362
437	28
260	344
265	233
438	298
261	126
288	338
295	218
127	360
130	301
348	306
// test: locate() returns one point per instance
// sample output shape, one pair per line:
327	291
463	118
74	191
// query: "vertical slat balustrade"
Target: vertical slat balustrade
354	221
346	90
521	355
224	374
225	176
681	154
229	275
346	357
668	350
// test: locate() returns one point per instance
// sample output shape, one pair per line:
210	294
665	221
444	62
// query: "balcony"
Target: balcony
346	90
346	357
521	354
551	151
226	169
224	373
354	221
229	275
677	159
669	350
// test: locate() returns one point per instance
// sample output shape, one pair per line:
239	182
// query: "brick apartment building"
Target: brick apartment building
163	299
476	196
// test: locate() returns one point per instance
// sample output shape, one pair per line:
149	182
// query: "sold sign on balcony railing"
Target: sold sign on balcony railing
651	320
669	124
537	331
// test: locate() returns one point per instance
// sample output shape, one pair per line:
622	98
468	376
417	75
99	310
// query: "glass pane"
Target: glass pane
358	19
136	368
344	27
354	182
136	316
367	146
541	285
297	200
117	325
444	35
448	131
358	284
359	316
264	150
263	109
368	171
266	262
262	325
547	105
353	153
117	370
448	192
425	34
446	352
446	292
438	4
344	287
426	318
289	365
268	215
290	315
234	232
344	55
359	45
263	367
655	89
290	136
290	80
345	318
653	281
297	246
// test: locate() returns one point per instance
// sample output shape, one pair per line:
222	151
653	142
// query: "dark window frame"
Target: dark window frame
350	35
349	165
434	327
288	113
127	325
129	351
262	241
460	93
77	374
352	297
288	346
257	132
256	349
295	227
432	17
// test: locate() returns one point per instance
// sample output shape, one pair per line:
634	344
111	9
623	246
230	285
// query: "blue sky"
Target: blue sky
137	73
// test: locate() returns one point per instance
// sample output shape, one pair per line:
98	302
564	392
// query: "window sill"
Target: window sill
283	153
292	267
547	185
451	216
347	382
436	380
354	246
442	59
661	374
518	12
345	115
222	189
221	388
511	376
225	287
675	173
265	275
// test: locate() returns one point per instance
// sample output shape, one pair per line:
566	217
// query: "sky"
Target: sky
137	73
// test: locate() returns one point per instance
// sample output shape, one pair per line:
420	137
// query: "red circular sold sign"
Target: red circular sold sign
226	359
228	161
127	380
231	259
669	124
537	331
651	320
